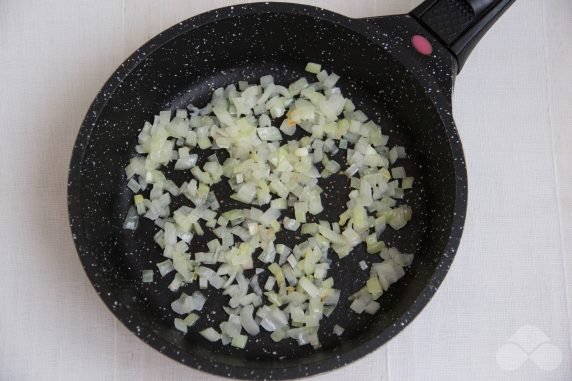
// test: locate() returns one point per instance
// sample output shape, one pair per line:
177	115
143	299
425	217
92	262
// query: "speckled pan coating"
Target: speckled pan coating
409	94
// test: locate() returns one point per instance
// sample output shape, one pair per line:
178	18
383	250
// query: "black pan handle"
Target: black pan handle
460	24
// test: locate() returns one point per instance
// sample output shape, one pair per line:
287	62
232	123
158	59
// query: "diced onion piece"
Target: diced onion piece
248	322
147	276
398	173
266	80
290	224
191	319
373	286
246	193
278	335
359	218
278	274
133	185
210	334
313	68
186	162
269	134
338	330
372	307
309	287
239	341
407	183
399	217
270	282
331	81
300	210
131	221
165	267
176	283
279	203
301	152
395	153
180	325
358	305
139	204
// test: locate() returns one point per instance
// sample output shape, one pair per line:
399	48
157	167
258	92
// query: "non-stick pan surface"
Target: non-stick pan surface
406	93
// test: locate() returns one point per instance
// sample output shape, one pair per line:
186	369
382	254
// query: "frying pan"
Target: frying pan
399	70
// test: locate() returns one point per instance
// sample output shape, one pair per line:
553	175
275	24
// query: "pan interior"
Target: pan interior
186	70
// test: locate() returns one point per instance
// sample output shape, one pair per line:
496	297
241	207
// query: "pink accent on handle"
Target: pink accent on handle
422	45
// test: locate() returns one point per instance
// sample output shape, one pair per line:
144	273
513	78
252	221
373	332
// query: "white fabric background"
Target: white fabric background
514	268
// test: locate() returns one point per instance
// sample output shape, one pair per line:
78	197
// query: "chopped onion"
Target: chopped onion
147	276
313	68
177	282
372	307
276	180
133	185
398	173
165	267
395	153
358	305
309	287
239	341
186	162
270	282
338	330
248	322
191	319
210	334
131	220
290	224
269	133
180	325
407	183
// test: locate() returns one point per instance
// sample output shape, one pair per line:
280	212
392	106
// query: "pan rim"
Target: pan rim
203	363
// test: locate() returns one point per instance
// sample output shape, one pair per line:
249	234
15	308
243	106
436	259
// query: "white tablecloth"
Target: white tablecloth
504	310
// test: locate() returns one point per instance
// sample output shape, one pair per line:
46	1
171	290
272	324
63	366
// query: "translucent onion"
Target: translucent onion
273	179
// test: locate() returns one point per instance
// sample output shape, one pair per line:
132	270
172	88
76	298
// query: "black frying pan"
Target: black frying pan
401	81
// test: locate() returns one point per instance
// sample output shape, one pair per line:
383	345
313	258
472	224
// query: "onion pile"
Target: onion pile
270	173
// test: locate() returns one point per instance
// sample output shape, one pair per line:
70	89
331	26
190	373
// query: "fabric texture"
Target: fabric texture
503	311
